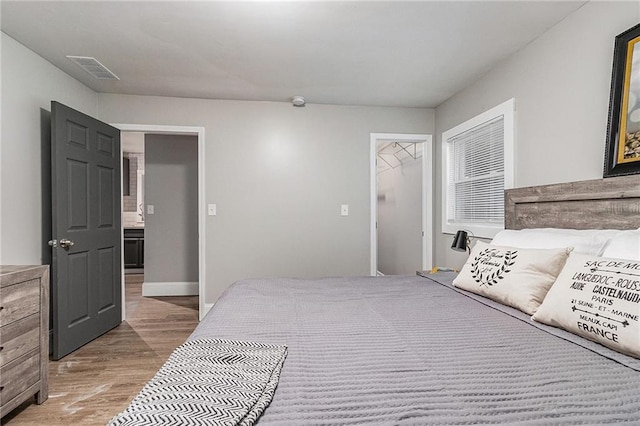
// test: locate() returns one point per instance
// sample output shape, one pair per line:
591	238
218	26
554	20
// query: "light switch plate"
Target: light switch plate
150	208
344	210
212	210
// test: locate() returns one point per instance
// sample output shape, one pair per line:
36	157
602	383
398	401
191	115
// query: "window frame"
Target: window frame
507	111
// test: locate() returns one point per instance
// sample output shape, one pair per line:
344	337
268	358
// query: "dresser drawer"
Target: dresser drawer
18	375
19	301
18	338
24	335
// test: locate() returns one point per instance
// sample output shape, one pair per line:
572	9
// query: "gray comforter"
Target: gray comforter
407	350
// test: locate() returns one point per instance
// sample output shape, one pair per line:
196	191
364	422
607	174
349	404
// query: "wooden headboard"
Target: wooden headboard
612	203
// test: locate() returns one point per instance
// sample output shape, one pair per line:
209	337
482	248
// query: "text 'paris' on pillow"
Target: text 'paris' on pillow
597	298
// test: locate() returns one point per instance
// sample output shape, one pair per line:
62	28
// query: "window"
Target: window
477	159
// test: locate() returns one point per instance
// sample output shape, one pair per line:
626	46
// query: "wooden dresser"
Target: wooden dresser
24	335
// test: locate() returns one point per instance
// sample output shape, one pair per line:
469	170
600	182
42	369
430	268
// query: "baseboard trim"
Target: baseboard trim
150	289
206	308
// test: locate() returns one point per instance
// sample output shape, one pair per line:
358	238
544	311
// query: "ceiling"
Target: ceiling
383	53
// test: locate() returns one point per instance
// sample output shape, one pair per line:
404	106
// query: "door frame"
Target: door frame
179	130
427	194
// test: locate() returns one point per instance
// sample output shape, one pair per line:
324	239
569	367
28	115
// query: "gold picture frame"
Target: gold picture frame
622	154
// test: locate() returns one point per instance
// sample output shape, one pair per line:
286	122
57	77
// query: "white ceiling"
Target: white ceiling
384	53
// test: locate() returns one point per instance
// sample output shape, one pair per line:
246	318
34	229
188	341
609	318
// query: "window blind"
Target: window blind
475	187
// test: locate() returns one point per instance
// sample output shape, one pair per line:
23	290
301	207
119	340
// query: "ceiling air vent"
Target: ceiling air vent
93	67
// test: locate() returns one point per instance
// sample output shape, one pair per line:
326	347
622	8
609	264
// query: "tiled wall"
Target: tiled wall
130	203
130	220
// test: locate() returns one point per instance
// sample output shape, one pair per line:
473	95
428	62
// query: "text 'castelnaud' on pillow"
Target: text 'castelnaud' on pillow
597	298
516	277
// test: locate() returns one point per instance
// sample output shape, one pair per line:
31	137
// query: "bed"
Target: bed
411	350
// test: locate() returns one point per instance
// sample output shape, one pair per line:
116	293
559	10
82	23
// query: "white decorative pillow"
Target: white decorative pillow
597	298
583	241
625	245
513	276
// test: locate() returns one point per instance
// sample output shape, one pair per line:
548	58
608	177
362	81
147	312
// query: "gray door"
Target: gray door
86	270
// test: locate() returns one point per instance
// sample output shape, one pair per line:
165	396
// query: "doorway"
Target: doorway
405	162
198	132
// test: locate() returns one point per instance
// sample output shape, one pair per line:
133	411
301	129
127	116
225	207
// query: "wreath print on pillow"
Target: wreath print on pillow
514	276
487	268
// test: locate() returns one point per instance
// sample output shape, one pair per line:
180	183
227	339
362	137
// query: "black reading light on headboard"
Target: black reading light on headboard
461	241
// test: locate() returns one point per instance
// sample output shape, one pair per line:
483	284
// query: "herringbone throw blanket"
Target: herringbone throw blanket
209	382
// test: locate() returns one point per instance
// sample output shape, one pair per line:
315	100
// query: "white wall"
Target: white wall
171	232
561	85
400	218
278	175
29	84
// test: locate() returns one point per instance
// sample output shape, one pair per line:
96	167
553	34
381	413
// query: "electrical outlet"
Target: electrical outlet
150	209
212	210
344	210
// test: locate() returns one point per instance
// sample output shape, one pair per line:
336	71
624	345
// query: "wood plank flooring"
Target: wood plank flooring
91	385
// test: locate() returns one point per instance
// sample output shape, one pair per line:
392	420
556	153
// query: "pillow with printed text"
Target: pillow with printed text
597	298
516	277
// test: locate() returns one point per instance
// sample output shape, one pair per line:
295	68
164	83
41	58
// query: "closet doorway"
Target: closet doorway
401	203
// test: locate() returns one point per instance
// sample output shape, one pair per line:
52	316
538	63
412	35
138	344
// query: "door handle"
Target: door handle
64	243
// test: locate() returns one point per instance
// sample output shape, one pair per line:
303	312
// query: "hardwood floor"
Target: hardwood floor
91	385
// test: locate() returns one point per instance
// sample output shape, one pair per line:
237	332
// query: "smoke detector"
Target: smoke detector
298	101
93	67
